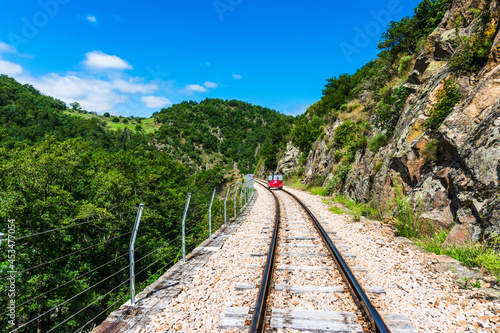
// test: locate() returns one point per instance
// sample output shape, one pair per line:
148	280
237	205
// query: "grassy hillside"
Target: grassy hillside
148	125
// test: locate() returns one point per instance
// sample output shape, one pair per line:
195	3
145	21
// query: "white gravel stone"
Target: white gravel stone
433	301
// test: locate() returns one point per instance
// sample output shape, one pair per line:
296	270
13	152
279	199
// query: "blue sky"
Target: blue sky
135	57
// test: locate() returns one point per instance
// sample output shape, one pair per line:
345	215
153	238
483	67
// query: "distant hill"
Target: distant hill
216	130
27	116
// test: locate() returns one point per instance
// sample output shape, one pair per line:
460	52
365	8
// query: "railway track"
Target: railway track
306	283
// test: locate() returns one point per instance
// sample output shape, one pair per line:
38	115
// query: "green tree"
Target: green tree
75	106
305	131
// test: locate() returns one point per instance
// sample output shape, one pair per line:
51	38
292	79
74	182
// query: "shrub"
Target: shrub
317	180
125	120
336	210
115	119
361	143
407	220
386	91
106	114
317	190
389	109
337	156
471	52
377	142
429	152
404	64
448	96
471	254
356	209
330	187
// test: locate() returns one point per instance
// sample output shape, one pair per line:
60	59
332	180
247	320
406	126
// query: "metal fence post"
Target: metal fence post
210	216
131	253
225	200
184	228
241	193
235	194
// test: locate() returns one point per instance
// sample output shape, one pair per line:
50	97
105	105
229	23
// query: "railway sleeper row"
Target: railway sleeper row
317	278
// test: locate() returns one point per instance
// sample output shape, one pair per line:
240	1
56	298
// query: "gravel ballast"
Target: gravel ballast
432	300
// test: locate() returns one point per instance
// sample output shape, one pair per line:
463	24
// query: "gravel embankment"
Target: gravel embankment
433	301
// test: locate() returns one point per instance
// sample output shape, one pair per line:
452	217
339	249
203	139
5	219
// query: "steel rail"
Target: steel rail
357	292
258	320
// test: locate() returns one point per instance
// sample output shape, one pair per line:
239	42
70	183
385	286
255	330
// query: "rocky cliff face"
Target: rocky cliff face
461	185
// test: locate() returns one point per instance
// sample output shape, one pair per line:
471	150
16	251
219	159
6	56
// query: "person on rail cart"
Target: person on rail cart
275	181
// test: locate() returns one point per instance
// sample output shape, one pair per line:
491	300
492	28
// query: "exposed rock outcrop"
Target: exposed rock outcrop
460	185
290	159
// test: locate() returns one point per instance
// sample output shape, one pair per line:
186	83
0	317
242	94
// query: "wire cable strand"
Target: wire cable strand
158	249
150	265
146	312
62	285
93	270
53	328
74	297
73	225
67	255
91	320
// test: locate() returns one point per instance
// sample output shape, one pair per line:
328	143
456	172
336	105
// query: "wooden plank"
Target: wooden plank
401	328
258	254
315	315
375	290
302	254
237	312
317	326
305	268
244	286
226	323
309	289
359	268
300	238
398	323
300	245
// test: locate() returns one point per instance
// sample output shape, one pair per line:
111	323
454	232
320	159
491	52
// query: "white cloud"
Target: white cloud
93	94
10	68
99	60
92	18
4	47
237	77
156	101
133	87
195	88
210	85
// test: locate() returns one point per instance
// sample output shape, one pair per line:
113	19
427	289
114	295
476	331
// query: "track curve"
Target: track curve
370	314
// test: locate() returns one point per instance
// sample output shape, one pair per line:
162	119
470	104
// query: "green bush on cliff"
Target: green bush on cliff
377	142
447	96
404	36
404	64
471	51
389	109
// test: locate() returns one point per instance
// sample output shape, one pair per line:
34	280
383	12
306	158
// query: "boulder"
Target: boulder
290	159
